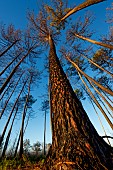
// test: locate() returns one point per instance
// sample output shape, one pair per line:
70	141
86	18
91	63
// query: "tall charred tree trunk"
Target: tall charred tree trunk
7	101
14	71
17	145
75	142
8	48
10	64
23	120
10	115
9	134
45	132
5	91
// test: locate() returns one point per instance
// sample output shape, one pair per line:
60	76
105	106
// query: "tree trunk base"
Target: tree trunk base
76	144
79	154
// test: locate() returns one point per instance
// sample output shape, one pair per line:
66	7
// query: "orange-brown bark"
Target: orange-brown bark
75	142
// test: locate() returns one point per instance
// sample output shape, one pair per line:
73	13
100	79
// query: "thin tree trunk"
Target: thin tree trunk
13	71
17	145
109	63
14	143
27	122
98	116
23	119
9	133
81	6
5	51
9	64
89	78
16	149
94	42
45	133
108	97
104	106
5	128
97	103
1	114
75	142
95	64
5	91
109	105
107	137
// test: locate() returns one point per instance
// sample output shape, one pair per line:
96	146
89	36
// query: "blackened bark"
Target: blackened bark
13	71
45	132
9	64
75	142
17	145
5	91
23	120
9	134
8	48
10	115
1	114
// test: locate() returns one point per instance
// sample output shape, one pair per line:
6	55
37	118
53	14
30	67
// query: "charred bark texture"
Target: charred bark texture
75	142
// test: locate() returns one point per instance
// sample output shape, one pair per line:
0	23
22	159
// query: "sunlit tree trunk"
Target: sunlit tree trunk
81	6
110	113
94	42
90	78
95	64
108	97
91	100
97	103
75	142
104	99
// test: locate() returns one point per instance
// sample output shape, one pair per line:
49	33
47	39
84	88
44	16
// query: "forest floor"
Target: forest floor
32	167
26	163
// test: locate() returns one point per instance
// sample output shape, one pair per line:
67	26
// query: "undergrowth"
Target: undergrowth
26	162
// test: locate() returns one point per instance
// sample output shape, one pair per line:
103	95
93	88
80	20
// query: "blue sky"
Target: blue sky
14	11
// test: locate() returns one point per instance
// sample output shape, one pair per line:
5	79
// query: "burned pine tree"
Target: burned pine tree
75	142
